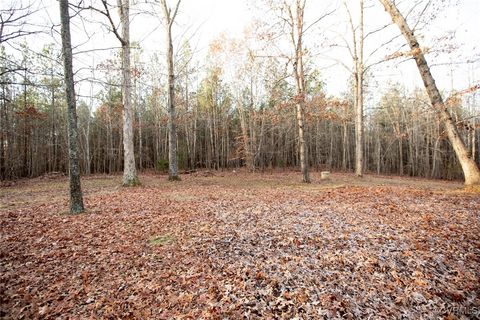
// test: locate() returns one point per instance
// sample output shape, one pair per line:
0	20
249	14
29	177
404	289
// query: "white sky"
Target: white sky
231	16
203	20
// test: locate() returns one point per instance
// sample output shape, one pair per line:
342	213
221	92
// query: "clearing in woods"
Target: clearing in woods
237	245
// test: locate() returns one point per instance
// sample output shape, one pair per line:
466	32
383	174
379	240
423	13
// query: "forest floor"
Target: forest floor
241	246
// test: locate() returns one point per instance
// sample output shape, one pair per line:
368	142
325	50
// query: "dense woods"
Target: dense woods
239	159
254	112
402	133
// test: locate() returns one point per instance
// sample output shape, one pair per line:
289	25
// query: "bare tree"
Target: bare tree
76	198
14	25
358	67
13	22
469	167
295	21
291	14
169	19
130	177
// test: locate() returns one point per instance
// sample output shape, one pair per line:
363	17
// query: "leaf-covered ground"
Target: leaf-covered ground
241	246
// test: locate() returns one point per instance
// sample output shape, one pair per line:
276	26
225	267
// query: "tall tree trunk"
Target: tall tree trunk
301	142
140	142
358	88
344	144
469	167
110	143
88	163
53	133
194	147
88	156
172	126
258	150
245	137
359	105
130	177
26	126
300	82
378	151
76	198
474	134
3	125
400	156
137	108
187	124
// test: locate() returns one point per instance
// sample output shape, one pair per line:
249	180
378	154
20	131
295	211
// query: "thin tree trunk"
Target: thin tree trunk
245	137
26	126
299	73
344	145
187	124
3	125
53	115
378	151
358	74
194	147
88	169
260	141
130	177
400	155
474	134
76	197
172	126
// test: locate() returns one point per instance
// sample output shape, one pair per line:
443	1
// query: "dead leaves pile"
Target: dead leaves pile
191	251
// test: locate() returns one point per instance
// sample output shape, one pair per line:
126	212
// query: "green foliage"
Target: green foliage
314	83
214	94
182	159
161	165
161	240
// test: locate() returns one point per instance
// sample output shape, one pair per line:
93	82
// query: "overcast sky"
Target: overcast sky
201	21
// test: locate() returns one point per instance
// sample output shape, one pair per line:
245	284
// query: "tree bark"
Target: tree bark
130	177
172	126
76	197
299	73
469	167
359	100
245	137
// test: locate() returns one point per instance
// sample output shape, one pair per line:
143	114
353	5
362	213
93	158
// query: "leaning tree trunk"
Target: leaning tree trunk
76	198
469	167
130	177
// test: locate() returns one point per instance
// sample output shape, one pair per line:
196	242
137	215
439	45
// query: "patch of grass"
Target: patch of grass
183	197
161	240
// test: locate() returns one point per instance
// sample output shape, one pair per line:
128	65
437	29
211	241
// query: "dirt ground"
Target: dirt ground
225	245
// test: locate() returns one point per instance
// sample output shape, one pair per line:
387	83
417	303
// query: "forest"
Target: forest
270	159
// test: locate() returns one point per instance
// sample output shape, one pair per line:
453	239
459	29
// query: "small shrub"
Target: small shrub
162	165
